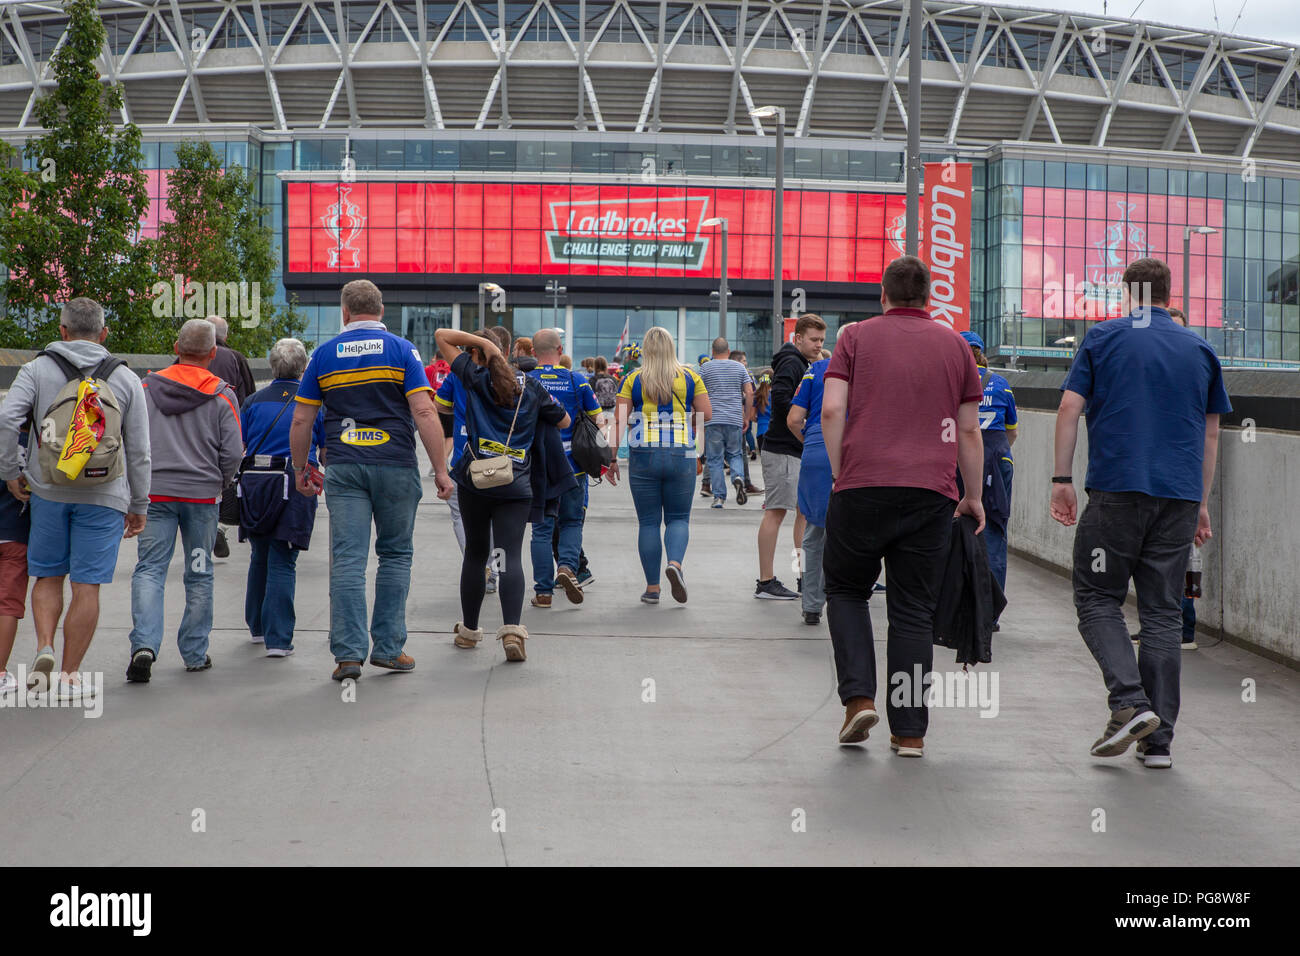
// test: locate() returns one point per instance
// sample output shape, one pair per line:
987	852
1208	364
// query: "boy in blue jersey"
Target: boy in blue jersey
805	421
1154	393
376	396
574	394
998	422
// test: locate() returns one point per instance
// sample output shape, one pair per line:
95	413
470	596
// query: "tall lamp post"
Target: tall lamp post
912	221
723	292
555	290
778	230
1014	316
483	289
1187	266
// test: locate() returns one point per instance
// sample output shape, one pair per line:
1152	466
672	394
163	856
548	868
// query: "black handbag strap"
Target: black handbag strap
267	434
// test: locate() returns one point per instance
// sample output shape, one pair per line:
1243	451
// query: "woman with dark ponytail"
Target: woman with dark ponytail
502	409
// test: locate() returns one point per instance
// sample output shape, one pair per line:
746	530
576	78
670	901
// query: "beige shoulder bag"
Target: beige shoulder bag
499	469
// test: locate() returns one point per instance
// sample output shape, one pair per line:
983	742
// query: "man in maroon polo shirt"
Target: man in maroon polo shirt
910	391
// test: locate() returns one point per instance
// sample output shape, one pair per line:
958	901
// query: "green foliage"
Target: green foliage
73	218
70	224
217	236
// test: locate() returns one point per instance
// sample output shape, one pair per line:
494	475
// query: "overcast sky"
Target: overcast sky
1260	19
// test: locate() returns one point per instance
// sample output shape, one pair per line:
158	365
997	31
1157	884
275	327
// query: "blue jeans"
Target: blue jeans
268	596
569	520
663	486
356	496
197	524
723	442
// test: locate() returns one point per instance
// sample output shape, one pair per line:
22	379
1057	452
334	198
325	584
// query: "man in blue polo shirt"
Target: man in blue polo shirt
376	396
572	391
1153	392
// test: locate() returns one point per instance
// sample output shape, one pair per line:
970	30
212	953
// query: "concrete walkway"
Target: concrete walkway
736	750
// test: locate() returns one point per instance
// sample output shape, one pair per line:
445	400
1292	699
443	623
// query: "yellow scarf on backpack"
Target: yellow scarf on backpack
85	431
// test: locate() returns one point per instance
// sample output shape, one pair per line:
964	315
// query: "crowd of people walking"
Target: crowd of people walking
892	453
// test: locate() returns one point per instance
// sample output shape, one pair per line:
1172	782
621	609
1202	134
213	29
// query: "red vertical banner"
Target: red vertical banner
946	245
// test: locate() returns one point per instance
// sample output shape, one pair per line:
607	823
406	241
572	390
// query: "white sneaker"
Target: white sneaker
257	639
8	683
279	651
74	690
39	678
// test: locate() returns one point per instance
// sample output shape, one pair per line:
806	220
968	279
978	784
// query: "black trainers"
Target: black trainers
205	666
773	590
222	548
1124	727
141	667
677	582
812	617
741	495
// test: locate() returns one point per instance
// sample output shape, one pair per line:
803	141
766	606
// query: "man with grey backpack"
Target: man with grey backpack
87	478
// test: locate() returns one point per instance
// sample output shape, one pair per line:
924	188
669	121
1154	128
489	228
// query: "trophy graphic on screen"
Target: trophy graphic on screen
1124	240
344	222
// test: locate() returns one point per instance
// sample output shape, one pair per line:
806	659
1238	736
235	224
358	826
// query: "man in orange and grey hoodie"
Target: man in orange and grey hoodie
194	427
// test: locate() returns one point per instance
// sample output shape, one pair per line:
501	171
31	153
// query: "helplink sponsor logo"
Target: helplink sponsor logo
43	696
634	230
76	909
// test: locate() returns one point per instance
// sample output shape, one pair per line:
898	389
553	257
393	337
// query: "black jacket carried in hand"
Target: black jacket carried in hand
550	474
788	366
969	597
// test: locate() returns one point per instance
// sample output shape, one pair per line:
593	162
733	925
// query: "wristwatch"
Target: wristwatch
1062	480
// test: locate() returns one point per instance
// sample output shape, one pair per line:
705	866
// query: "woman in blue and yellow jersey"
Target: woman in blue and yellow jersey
658	408
503	407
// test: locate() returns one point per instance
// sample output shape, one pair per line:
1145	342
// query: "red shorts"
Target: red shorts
13	579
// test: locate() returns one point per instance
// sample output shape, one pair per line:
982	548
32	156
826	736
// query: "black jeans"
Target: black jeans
909	529
487	521
1122	536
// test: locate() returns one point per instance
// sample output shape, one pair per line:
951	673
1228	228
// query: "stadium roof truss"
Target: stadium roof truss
992	73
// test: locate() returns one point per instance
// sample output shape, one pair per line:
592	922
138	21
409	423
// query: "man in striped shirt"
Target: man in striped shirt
732	393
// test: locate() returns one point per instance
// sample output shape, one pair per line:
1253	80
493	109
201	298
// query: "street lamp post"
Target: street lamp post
723	292
555	290
1187	265
778	230
1014	316
483	289
913	210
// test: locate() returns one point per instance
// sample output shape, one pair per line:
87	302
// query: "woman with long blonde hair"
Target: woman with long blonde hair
659	407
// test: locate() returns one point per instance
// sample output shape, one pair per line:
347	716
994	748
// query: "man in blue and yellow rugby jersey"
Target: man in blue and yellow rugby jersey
998	422
572	391
376	396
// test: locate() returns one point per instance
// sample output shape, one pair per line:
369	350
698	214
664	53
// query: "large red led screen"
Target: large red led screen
1076	243
575	229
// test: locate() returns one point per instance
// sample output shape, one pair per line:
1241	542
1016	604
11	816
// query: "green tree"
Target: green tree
73	231
222	252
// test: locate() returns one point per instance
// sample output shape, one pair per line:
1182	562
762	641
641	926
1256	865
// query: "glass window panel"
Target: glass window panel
419	154
446	154
1076	175
473	154
392	154
365	153
1054	174
501	156
1196	180
557	155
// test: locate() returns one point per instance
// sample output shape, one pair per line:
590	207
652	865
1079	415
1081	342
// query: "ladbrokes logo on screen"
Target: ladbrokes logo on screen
636	230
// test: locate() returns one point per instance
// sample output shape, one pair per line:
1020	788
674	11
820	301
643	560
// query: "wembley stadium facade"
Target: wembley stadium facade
437	146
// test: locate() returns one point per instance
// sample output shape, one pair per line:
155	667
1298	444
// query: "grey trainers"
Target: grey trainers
1124	727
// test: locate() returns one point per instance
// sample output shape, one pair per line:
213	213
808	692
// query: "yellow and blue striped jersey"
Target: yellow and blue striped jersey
667	424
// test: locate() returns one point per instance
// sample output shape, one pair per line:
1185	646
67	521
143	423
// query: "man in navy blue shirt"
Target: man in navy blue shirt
573	392
1153	392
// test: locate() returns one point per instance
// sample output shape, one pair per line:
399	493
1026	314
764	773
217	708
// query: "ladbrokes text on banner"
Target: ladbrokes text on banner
945	245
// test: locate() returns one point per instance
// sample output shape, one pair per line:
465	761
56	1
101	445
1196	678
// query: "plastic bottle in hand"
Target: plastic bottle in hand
1192	583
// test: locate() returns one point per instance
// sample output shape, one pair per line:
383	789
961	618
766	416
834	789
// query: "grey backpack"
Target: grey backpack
107	461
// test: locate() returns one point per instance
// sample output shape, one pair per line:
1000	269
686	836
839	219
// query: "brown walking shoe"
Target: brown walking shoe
566	579
859	717
402	662
907	746
541	600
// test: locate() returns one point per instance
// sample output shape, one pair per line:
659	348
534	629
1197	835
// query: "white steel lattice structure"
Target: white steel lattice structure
992	73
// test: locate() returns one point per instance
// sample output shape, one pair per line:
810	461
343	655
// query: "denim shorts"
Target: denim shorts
78	540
